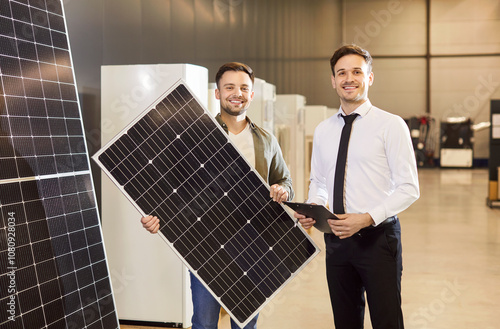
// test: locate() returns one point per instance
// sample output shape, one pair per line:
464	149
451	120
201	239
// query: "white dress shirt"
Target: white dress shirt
381	173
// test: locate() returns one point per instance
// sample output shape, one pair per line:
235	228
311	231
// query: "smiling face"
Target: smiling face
235	92
352	79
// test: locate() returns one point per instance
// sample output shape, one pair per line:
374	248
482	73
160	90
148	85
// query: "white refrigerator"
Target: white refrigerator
150	282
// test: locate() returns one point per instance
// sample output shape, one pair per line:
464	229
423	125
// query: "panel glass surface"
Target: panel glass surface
53	270
175	162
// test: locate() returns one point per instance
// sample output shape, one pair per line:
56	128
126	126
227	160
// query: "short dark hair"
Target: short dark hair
351	49
234	66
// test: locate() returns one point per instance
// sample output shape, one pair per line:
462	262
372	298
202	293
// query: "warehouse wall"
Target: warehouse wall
289	42
286	42
464	56
464	85
397	30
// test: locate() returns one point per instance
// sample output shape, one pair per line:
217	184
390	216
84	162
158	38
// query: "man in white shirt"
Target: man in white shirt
260	148
363	252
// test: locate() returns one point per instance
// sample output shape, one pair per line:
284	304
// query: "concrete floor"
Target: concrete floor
451	252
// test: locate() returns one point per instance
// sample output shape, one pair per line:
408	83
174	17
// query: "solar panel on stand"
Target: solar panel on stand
53	266
175	162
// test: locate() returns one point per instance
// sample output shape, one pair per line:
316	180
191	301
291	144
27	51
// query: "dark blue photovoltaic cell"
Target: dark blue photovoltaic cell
58	235
52	260
176	163
34	83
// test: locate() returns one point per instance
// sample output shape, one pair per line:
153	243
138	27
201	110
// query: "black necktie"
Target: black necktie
338	183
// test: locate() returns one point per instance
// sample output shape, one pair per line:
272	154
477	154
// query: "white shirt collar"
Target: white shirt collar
362	110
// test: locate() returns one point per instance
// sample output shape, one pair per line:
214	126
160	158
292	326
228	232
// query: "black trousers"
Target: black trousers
369	261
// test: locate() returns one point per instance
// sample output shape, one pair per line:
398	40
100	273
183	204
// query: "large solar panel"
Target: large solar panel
53	266
174	161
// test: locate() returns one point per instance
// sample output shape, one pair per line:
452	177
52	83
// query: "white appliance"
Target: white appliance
213	103
261	110
150	282
313	115
461	158
289	129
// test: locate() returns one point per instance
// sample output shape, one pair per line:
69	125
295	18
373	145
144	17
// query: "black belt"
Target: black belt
370	229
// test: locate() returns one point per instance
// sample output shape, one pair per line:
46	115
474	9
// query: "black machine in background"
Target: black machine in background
423	139
456	143
457	134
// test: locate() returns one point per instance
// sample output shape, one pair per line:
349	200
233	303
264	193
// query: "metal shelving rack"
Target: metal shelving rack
493	199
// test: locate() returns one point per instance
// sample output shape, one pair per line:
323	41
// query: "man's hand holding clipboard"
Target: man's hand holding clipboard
343	226
319	215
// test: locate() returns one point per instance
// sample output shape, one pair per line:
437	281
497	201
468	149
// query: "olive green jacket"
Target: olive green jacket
269	161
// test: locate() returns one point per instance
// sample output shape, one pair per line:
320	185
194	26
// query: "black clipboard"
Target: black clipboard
318	212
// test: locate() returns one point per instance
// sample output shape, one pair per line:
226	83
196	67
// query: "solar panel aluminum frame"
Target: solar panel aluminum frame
96	156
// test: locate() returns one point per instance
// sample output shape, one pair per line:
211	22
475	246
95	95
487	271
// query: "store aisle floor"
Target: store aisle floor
451	255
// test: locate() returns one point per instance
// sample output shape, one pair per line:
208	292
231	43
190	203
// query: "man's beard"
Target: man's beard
229	110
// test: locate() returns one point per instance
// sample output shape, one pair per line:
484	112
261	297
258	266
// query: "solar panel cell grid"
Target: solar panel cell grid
174	161
44	258
46	195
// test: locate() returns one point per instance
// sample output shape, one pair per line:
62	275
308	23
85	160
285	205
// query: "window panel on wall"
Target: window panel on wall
465	27
386	27
399	86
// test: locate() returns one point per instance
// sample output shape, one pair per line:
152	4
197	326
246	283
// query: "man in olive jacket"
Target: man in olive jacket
261	150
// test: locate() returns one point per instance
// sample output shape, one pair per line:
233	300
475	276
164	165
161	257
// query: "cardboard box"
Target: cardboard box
493	195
